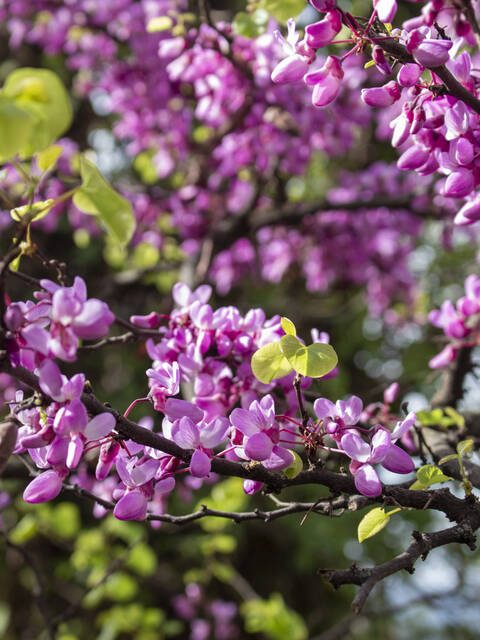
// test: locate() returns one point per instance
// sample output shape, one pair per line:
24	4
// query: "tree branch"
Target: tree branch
421	546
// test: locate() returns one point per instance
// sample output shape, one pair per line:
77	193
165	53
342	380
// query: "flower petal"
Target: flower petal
398	460
100	426
367	481
132	506
200	464
381	443
355	447
44	487
259	446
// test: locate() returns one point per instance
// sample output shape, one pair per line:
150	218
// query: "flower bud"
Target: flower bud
380	60
386	9
459	184
44	487
381	96
409	74
290	69
319	34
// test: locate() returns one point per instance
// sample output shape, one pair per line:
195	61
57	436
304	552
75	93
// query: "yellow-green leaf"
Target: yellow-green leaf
282	10
313	361
465	447
160	23
41	93
430	474
295	468
451	456
37	210
288	327
47	159
269	363
97	197
15	128
371	523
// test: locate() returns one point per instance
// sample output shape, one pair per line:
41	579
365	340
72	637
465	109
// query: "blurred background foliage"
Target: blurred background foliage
101	578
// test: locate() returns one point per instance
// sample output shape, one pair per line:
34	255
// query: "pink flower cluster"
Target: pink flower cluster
459	322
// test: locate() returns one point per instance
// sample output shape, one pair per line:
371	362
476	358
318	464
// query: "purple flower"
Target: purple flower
44	487
344	413
319	34
202	438
258	425
386	9
164	380
382	450
326	82
428	52
409	74
381	96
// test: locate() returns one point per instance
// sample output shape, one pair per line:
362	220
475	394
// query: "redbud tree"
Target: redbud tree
238	286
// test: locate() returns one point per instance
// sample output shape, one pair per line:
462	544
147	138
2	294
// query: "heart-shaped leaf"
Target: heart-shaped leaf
40	93
313	361
288	327
269	363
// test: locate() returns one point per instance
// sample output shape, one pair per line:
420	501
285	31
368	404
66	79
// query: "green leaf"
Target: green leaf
269	363
227	495
452	456
428	418
273	618
282	10
250	26
160	23
121	587
41	93
65	520
430	474
416	486
313	361
296	467
465	447
15	128
24	530
371	523
457	418
142	560
37	209
47	159
97	197
288	327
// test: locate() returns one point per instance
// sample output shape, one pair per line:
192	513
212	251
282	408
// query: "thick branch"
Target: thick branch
421	545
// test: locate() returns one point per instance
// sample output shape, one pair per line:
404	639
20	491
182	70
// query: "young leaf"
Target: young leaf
269	363
313	361
47	159
97	197
288	327
160	23
452	456
458	419
295	468
37	210
41	93
282	10
465	447
430	474
371	523
416	486
15	128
